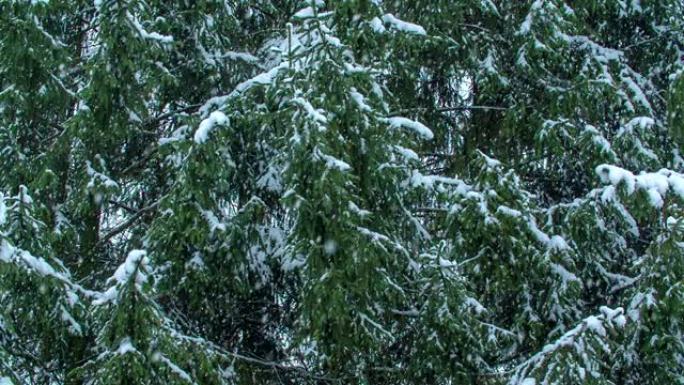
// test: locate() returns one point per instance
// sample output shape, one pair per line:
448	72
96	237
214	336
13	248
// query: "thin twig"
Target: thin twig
126	224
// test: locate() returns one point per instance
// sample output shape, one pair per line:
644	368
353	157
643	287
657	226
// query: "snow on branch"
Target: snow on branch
216	118
575	340
264	78
164	39
417	127
403	26
134	270
656	185
331	162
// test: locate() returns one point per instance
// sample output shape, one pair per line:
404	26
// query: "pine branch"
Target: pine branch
447	109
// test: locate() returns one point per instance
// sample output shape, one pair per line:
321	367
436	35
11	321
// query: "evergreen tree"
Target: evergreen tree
352	191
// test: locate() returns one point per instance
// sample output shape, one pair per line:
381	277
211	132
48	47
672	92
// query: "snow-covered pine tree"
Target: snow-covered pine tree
42	323
136	343
356	191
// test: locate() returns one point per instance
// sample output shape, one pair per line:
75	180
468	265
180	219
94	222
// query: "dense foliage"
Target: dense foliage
341	191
